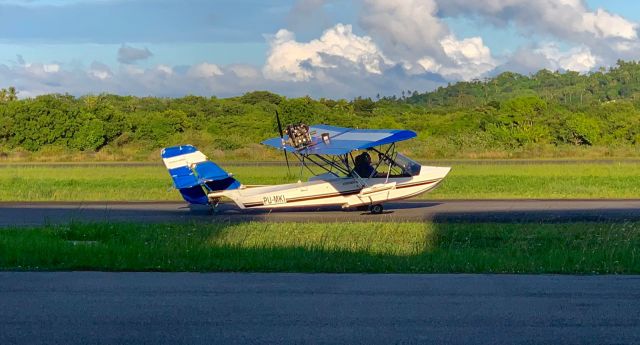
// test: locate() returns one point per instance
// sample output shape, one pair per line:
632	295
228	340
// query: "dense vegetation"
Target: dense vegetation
541	115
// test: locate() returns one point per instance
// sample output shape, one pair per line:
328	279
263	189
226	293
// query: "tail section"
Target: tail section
194	175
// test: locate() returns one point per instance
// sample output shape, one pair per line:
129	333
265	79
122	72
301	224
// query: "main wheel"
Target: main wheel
376	209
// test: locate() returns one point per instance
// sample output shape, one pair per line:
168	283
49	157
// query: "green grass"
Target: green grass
574	248
541	181
466	181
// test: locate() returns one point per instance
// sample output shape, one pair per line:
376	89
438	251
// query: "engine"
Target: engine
299	135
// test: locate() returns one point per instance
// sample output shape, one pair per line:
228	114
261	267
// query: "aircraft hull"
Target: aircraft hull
346	192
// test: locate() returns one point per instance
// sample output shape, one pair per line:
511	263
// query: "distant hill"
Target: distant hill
621	82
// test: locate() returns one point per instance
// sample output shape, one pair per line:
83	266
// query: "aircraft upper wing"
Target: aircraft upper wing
344	140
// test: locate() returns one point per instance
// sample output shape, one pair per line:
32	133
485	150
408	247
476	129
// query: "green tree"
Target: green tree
12	94
90	136
256	97
583	130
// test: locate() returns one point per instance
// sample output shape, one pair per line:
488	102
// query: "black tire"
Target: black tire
376	209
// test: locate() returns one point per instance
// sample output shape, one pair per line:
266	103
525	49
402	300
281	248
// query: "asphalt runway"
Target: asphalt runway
227	308
32	214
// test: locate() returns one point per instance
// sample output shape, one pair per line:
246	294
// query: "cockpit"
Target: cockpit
374	163
408	166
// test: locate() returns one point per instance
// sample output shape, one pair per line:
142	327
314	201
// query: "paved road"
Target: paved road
21	214
174	308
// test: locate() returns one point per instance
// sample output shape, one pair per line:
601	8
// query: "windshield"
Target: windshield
409	166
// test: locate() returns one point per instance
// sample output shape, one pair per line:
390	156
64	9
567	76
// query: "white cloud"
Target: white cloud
244	71
406	29
577	59
40	69
550	56
164	69
404	44
471	57
568	20
412	33
429	64
102	75
289	60
99	71
603	24
342	80
51	68
204	70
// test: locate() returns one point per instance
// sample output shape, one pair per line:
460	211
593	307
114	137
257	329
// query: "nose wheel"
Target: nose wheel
376	209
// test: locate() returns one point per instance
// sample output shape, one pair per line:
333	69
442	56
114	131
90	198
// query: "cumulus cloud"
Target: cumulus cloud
549	56
406	29
417	48
164	69
204	70
99	71
130	55
40	69
289	60
606	34
470	57
567	19
577	59
398	45
603	24
413	34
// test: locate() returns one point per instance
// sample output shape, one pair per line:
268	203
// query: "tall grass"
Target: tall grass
584	248
466	181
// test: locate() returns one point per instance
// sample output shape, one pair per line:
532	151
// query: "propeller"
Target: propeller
286	158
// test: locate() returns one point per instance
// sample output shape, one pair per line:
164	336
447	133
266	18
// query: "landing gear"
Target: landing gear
376	209
213	206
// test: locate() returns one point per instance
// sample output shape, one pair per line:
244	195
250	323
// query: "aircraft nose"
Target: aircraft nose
441	172
435	172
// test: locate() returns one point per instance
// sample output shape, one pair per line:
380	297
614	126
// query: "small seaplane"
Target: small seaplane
339	159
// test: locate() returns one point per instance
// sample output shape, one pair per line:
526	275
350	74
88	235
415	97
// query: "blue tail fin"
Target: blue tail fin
194	175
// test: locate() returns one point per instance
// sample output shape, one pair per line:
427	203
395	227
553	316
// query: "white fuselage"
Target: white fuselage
330	190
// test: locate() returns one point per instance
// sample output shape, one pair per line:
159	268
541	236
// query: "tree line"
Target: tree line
543	112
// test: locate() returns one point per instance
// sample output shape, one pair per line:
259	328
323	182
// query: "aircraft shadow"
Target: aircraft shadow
33	215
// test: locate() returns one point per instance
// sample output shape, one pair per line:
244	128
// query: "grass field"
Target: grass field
466	181
582	248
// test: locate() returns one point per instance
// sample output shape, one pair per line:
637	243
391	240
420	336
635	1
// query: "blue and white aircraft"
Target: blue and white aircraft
343	173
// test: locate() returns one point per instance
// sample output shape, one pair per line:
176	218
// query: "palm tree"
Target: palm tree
13	94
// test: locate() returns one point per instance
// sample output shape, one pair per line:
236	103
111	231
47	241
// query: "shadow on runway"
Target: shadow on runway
33	214
438	212
229	208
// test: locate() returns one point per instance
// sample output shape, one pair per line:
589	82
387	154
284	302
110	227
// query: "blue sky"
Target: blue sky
324	48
